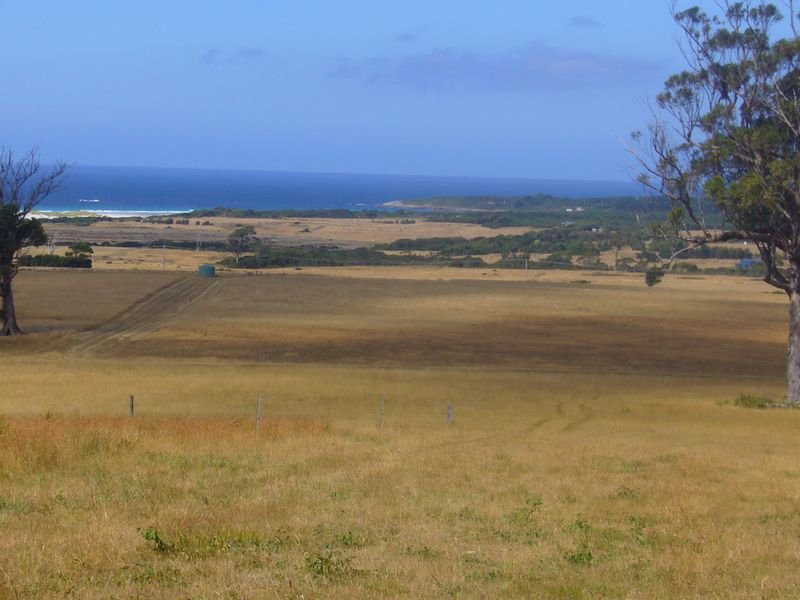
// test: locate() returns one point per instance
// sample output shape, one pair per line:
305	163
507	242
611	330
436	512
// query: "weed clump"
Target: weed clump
329	563
582	555
156	540
753	401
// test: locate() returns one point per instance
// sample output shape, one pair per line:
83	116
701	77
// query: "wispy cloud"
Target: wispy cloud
211	56
217	55
248	54
406	37
585	22
534	68
409	37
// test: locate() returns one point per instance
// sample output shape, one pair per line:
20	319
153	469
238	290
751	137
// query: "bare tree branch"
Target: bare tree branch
24	183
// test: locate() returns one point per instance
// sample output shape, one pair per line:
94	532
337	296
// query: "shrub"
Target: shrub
54	260
753	401
155	539
653	276
329	563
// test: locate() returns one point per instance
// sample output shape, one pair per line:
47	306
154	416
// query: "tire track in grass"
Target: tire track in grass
588	414
145	316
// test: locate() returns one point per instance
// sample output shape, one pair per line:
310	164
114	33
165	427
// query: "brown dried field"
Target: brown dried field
596	449
301	230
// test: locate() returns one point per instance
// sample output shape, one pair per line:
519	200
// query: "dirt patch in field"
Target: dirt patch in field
544	324
576	344
55	300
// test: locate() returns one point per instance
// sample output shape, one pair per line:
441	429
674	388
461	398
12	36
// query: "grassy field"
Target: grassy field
596	449
283	231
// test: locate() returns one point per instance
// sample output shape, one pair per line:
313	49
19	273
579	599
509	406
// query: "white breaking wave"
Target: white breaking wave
112	214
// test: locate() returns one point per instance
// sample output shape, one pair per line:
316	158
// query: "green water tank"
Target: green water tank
206	271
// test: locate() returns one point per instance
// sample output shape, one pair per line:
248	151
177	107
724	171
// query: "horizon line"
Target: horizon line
345	173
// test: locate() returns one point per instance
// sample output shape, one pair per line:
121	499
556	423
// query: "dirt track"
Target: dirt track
144	317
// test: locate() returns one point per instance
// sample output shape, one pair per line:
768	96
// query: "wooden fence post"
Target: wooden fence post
131	405
258	413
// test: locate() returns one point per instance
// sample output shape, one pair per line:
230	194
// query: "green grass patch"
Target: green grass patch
754	401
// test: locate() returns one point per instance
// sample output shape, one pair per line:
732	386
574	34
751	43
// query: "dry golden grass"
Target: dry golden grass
595	453
148	259
343	232
109	258
346	232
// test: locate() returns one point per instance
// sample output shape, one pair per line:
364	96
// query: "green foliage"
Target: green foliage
163	220
729	138
11	506
685	267
242	239
653	276
637	530
217	245
23	185
333	213
493	211
17	232
156	540
753	401
80	249
724	252
559	260
525	514
85	221
542	210
468	262
581	525
561	241
332	256
350	540
55	261
144	573
581	555
329	563
202	545
243	232
423	552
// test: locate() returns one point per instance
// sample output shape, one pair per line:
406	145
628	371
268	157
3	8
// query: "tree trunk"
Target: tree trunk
9	314
793	353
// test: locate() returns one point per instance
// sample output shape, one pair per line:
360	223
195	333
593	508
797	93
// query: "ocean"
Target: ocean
129	190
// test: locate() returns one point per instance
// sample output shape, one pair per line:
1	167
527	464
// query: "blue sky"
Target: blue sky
505	88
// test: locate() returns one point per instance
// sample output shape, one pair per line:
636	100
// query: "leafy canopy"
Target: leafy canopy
728	133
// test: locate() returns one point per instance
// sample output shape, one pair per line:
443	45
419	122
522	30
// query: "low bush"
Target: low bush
753	401
54	260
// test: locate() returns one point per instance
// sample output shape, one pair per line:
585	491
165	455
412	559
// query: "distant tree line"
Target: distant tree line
77	257
574	242
331	213
319	256
717	252
55	260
